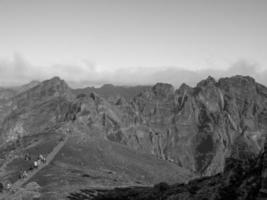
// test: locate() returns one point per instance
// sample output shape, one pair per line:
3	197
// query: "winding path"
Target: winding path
49	158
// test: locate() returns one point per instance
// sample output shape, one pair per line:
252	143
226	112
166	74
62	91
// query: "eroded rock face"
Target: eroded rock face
197	128
36	109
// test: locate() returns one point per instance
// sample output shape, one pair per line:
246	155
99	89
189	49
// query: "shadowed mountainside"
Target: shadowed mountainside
242	179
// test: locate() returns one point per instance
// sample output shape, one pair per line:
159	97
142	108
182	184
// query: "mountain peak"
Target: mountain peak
54	87
244	84
54	79
184	87
163	86
163	89
208	81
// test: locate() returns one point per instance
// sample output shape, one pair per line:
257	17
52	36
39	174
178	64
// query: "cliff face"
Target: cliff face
195	128
34	110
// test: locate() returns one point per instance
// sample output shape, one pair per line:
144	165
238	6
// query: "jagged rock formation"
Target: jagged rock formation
36	110
263	191
197	128
186	128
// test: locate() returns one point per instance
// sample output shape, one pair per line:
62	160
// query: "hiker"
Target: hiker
24	174
27	156
8	186
39	162
35	164
42	158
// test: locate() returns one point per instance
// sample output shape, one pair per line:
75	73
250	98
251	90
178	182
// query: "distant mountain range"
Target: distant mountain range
109	90
124	136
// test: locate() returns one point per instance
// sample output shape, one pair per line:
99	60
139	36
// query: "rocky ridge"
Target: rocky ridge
196	128
193	128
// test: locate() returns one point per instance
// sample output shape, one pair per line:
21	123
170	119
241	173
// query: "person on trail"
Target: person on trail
8	186
42	158
24	174
27	156
35	164
39	162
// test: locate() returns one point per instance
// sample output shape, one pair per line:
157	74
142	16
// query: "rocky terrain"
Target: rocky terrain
241	179
196	128
137	138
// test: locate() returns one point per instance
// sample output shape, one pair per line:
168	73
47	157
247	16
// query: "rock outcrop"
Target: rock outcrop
35	110
195	128
216	128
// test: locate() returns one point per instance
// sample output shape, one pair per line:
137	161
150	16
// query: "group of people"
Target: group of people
36	163
24	173
5	186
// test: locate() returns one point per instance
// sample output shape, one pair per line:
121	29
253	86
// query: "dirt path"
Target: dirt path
49	158
12	156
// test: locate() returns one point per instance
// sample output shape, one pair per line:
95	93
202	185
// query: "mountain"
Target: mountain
35	109
132	136
7	93
196	128
49	119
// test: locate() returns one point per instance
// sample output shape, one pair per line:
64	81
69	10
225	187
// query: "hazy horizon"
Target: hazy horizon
131	42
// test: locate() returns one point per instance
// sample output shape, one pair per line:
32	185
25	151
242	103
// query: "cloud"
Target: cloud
18	71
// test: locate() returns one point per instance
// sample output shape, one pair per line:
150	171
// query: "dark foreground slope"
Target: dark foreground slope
240	180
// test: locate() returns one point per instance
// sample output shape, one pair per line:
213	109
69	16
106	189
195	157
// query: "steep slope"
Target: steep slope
41	115
196	128
193	127
36	109
155	135
242	179
103	164
6	94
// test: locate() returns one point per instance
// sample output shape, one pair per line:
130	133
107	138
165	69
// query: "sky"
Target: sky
128	42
